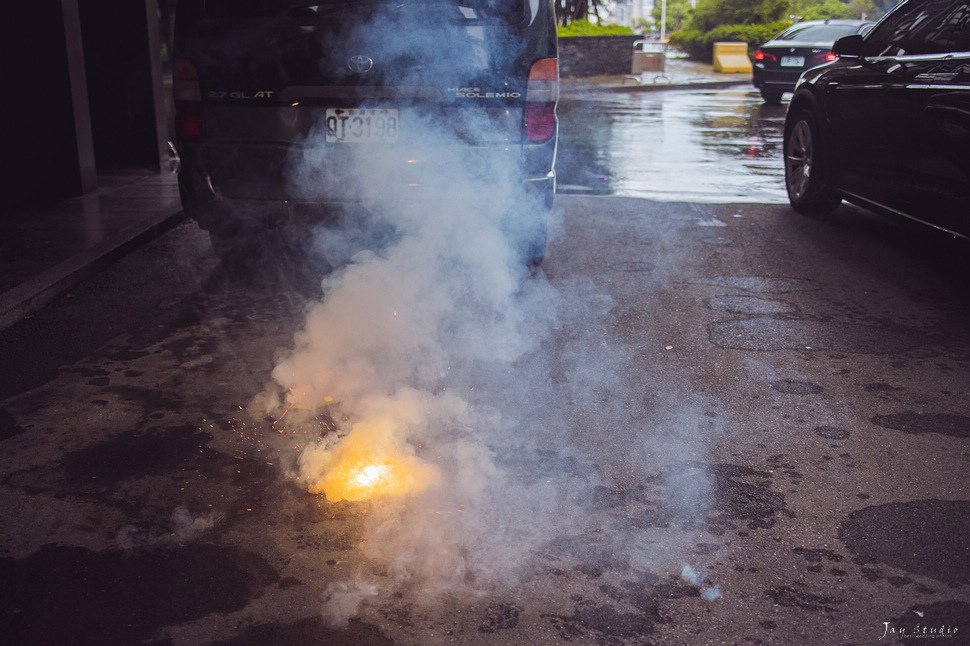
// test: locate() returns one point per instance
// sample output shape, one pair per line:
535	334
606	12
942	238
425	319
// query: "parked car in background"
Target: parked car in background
366	84
779	62
887	125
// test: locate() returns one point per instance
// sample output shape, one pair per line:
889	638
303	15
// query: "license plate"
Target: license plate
792	61
362	125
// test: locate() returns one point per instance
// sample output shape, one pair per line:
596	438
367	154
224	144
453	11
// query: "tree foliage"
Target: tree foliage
568	11
868	8
757	21
678	14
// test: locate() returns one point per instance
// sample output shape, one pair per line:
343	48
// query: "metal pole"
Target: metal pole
663	20
83	136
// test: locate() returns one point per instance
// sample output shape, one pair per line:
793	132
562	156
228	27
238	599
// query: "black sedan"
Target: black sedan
779	62
887	125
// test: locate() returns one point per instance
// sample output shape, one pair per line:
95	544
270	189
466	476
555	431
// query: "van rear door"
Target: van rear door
270	75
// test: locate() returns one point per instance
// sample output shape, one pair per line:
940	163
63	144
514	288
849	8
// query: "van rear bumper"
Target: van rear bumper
266	181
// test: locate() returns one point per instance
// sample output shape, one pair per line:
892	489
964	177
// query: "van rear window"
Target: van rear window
305	10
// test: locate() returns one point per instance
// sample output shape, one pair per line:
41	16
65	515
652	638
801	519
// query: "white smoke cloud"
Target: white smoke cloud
183	527
416	345
435	344
342	601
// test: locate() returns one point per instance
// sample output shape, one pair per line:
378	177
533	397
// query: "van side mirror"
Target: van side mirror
849	46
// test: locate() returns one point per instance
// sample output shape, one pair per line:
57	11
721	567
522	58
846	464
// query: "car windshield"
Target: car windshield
932	27
818	33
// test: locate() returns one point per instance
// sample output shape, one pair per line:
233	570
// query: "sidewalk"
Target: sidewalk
48	250
680	74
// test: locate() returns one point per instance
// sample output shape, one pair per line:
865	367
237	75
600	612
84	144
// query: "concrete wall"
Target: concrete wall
596	55
45	130
83	80
120	39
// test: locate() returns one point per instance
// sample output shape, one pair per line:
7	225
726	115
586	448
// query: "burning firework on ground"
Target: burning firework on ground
371	461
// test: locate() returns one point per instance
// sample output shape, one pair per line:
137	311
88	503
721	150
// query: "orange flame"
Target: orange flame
370	462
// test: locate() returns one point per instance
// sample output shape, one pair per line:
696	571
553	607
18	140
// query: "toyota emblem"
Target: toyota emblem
360	64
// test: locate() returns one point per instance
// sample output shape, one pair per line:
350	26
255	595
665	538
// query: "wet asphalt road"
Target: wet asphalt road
700	146
815	372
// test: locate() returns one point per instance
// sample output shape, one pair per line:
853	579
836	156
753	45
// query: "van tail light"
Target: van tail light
188	100
831	56
761	55
542	93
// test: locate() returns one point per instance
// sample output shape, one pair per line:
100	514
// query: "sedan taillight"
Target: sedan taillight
762	55
188	100
831	56
541	96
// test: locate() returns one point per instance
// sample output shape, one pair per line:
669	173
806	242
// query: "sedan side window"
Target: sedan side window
927	27
955	30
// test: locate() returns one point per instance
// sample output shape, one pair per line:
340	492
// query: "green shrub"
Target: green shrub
586	28
690	41
700	45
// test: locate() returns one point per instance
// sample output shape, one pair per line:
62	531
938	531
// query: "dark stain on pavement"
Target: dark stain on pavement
501	616
8	425
736	499
604	623
71	595
729	493
649	512
311	631
879	387
793	387
751	305
736	493
594	560
917	423
766	334
150	399
607	625
832	432
797	596
136	454
180	453
926	537
645	592
124	355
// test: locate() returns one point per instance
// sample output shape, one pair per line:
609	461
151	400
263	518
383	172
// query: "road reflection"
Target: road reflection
697	145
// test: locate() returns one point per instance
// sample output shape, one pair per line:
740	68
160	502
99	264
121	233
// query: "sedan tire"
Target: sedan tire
771	97
806	162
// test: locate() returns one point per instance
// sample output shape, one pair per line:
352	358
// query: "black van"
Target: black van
257	81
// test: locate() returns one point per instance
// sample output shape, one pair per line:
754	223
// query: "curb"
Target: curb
582	90
30	296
